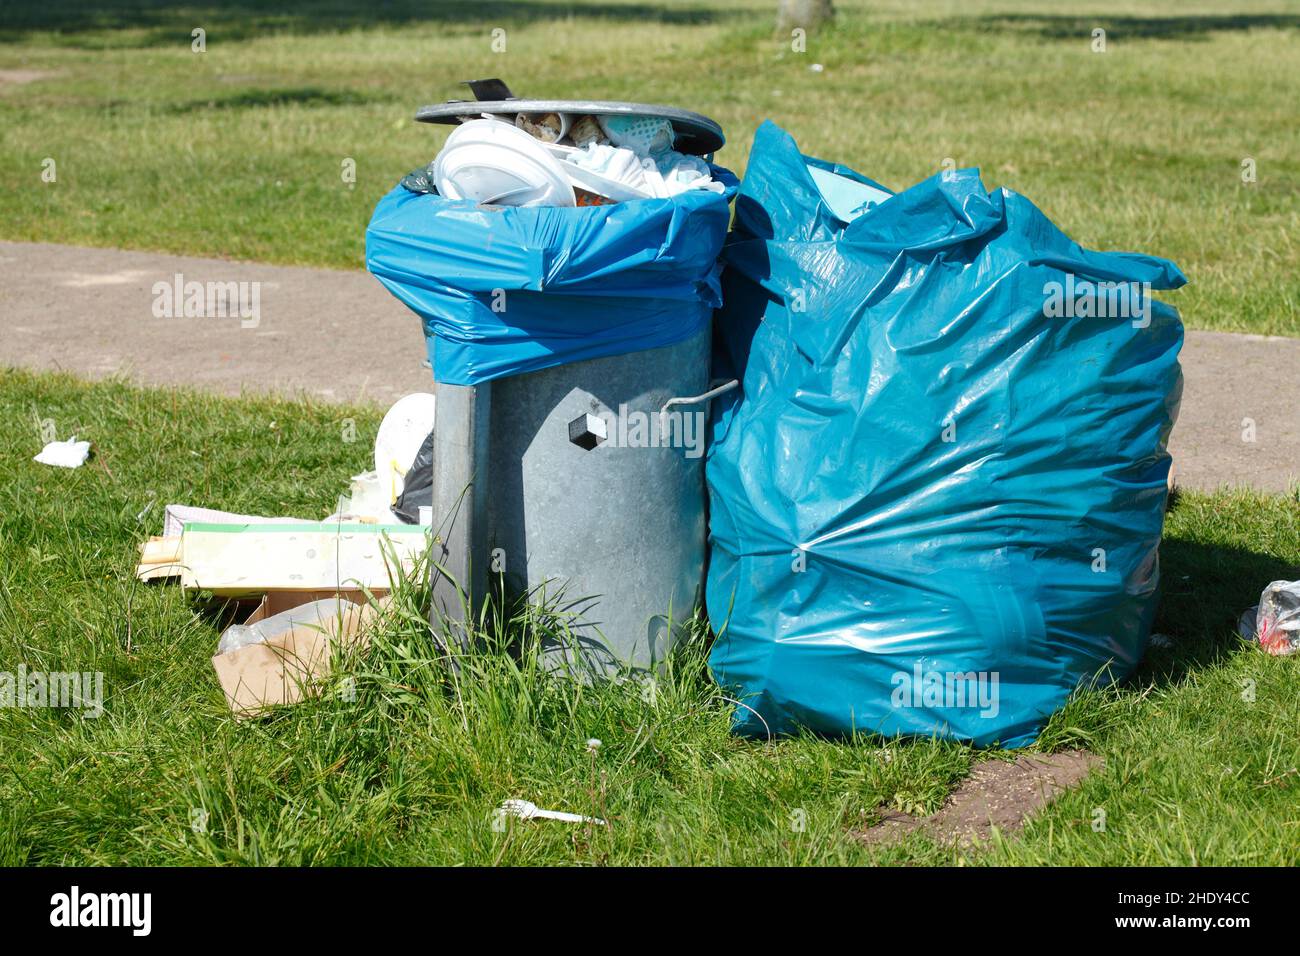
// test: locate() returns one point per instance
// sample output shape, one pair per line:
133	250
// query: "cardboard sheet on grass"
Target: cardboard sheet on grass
234	560
285	668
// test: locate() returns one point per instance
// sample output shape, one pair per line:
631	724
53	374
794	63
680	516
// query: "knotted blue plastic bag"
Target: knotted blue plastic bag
936	504
505	290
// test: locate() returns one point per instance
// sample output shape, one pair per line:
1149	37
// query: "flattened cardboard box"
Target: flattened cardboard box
284	668
237	559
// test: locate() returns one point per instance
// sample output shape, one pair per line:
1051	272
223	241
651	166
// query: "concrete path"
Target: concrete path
1240	419
340	336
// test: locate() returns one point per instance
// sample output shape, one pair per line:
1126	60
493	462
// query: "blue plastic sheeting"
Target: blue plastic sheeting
508	290
937	503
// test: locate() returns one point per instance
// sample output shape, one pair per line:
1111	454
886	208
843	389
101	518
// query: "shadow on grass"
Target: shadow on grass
150	23
1195	27
1204	588
265	97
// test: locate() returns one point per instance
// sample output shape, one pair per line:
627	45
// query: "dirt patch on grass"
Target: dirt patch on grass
23	77
996	794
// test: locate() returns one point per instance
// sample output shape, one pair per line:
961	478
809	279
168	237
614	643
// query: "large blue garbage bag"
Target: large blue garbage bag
508	290
936	506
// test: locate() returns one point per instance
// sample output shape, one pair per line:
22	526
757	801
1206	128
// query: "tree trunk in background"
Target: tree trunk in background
808	14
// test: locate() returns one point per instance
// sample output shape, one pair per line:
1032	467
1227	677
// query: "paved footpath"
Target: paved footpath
340	336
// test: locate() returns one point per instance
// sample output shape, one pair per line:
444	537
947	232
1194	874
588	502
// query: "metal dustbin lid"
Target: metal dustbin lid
696	134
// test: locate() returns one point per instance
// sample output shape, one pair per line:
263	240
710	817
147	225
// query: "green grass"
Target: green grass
411	770
238	151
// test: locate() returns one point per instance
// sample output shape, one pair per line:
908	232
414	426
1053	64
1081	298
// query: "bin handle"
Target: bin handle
717	387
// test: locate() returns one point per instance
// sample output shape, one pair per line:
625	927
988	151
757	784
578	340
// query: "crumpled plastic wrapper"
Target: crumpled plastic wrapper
1275	623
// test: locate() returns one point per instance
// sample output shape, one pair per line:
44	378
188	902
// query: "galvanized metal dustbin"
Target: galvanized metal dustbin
594	505
580	485
583	486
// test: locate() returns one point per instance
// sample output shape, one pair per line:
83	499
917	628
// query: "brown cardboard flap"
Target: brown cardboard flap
159	558
290	665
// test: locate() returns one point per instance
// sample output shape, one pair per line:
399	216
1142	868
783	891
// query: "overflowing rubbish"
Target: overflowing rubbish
512	152
525	810
589	120
360	545
64	454
523	288
936	501
595	312
937	497
496	164
1274	624
319	582
521	282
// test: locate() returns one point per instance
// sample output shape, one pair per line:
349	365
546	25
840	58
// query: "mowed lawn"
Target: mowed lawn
1200	747
239	151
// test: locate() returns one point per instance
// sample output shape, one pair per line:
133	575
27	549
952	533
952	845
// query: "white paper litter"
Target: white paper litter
65	454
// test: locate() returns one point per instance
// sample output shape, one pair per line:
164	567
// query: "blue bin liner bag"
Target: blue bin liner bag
506	290
937	501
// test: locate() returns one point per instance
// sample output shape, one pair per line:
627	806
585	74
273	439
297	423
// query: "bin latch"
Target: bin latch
716	387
